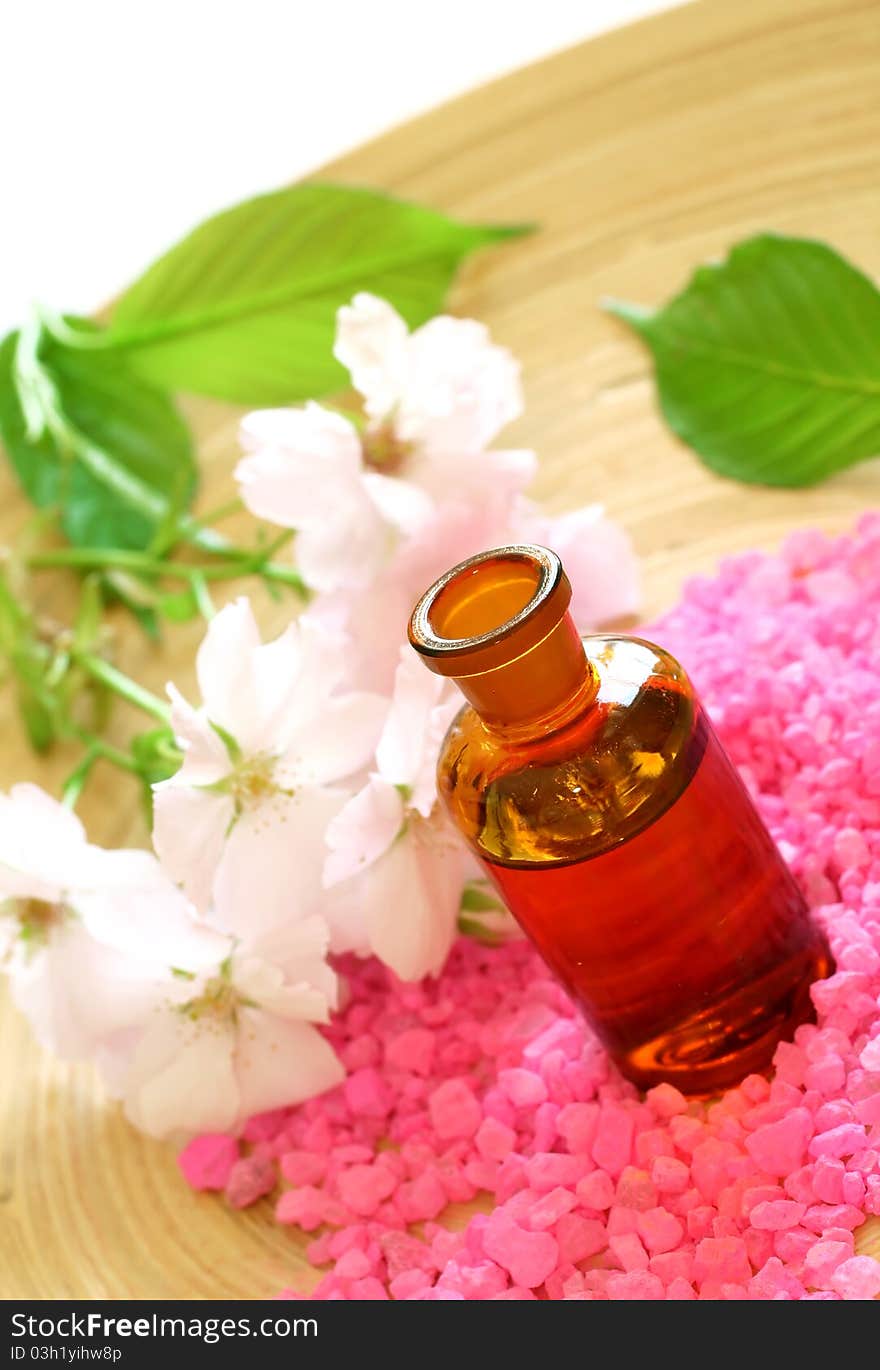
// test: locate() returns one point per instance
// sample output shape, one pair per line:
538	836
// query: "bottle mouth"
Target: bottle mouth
490	609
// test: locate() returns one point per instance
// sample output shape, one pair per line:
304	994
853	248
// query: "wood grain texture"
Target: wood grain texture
639	154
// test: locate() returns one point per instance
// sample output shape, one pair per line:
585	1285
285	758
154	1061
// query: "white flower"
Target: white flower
232	1035
66	924
392	849
433	399
598	557
242	821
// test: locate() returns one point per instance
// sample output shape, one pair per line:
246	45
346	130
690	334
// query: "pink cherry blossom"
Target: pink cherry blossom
434	400
241	823
66	930
232	1036
392	849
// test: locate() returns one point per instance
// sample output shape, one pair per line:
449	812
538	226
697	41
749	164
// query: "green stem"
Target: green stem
141	563
123	686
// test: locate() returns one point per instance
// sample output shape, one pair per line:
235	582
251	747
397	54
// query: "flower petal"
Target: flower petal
279	1062
347	548
299	950
371	342
270	870
599	560
338	742
412	899
305	465
363	830
189	832
205	759
401	746
461	388
181	1078
43	845
404	505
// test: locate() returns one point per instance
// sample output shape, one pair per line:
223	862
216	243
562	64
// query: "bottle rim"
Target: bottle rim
512	636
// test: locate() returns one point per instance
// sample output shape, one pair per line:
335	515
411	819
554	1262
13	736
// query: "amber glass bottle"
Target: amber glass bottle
588	779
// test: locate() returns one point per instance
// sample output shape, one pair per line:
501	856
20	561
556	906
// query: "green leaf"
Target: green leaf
85	432
768	364
244	308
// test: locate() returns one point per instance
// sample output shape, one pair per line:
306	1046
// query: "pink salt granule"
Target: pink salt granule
485	1082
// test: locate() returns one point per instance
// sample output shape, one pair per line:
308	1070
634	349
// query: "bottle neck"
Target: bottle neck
538	692
499	626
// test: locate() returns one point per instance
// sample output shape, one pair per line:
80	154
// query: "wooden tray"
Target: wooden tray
640	154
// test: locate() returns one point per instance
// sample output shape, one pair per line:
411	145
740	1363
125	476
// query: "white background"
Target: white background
125	122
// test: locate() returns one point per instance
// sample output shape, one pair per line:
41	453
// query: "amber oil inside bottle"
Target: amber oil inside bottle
587	778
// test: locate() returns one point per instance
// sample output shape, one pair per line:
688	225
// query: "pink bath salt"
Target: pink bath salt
700	1221
651	1143
494	1140
869	1058
670	1175
363	1187
551	1168
524	1088
543	1123
250	1179
709	1166
301	1207
595	1190
528	1257
792	1244
573	1286
850	849
370	1288
828	1175
612	1148
481	1281
853	1190
821	1261
773	1279
671	1265
580	1237
303	1167
627	1248
367	1094
779	1147
857	1278
680	1289
635	1284
353	1153
621	1219
722	1258
826	1076
774	1215
263	1127
687	1133
577	1124
666	1101
408	1284
423	1197
207	1160
636	1189
799	1185
659	1230
354	1265
549	1207
412	1050
403	1252
821	1217
840	1141
759	1194
357	1235
454	1110
514	1294
868	1110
